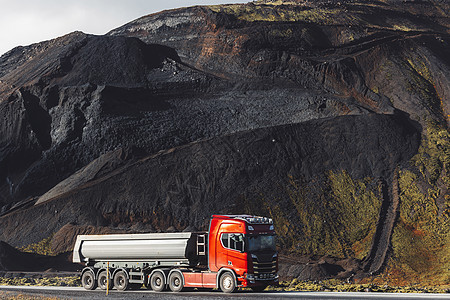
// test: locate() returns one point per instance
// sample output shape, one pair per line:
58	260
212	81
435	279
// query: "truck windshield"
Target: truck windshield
261	242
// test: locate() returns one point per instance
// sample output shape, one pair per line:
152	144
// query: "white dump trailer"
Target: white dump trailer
126	258
150	248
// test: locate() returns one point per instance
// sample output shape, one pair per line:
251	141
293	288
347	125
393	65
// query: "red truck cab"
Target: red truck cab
243	246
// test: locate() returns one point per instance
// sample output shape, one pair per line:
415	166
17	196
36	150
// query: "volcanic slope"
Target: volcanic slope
78	96
245	171
310	112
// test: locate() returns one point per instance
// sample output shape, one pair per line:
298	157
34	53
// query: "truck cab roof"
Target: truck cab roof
249	219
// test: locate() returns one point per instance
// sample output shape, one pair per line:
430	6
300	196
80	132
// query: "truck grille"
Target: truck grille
261	268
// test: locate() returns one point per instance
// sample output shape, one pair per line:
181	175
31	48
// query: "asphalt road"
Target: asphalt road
80	293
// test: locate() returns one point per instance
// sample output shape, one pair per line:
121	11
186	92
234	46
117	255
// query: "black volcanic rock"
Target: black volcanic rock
10	256
51	100
79	96
202	72
184	186
77	59
12	259
349	48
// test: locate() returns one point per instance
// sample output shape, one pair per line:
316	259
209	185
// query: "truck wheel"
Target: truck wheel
121	281
102	280
88	280
175	282
157	282
227	283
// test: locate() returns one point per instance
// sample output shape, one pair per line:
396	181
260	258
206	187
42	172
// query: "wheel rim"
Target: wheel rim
176	282
121	281
227	283
88	280
103	281
157	282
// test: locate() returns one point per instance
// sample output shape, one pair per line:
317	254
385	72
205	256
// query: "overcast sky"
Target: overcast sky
24	22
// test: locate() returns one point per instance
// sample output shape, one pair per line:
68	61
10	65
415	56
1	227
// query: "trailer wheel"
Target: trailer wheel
175	282
102	281
227	283
88	280
157	282
121	281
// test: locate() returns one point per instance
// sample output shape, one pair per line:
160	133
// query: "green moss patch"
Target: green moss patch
421	238
285	12
334	285
43	247
46	281
19	296
342	224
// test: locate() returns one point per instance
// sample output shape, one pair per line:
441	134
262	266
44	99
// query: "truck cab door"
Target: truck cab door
222	252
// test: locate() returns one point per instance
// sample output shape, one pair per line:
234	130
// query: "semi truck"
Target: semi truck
236	251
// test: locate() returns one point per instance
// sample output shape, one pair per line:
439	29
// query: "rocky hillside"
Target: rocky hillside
331	117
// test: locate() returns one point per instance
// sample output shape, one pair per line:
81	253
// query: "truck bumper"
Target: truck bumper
245	282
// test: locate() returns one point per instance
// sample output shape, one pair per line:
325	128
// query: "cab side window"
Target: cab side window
225	240
234	241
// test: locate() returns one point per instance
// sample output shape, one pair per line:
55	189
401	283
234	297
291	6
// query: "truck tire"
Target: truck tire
227	283
157	282
88	280
121	281
102	280
176	282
